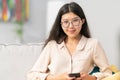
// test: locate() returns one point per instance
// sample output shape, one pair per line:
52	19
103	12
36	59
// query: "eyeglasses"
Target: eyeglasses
75	22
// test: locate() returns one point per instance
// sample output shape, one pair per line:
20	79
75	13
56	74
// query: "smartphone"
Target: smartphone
74	75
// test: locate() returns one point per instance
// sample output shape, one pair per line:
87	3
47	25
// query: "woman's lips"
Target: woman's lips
71	31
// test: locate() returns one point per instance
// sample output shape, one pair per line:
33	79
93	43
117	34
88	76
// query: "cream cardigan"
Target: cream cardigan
55	59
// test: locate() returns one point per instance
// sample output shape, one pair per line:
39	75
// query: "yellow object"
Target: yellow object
5	18
114	68
27	8
115	76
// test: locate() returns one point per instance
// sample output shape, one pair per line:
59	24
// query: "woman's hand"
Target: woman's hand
86	76
63	76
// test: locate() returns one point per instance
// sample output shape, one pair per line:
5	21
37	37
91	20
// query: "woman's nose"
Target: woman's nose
70	25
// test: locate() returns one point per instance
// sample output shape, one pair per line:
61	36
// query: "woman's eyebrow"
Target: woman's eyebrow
71	18
75	18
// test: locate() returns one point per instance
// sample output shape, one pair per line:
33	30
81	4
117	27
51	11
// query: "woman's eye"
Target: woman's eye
65	22
75	20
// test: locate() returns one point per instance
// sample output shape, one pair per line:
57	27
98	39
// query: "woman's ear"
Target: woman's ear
83	21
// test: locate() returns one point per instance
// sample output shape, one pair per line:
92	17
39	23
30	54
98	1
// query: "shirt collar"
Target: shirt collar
82	42
61	45
80	46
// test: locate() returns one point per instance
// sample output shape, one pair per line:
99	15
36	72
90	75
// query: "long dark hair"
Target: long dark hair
57	33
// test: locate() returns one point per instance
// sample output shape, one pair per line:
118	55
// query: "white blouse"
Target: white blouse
55	59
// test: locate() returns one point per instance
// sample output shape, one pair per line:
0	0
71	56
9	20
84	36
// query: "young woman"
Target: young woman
70	49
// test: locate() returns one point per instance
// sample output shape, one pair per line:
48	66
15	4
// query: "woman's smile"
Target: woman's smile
71	31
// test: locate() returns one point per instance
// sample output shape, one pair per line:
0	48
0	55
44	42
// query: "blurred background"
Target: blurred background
32	21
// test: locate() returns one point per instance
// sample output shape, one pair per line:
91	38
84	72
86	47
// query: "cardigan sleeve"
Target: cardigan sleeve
100	59
40	70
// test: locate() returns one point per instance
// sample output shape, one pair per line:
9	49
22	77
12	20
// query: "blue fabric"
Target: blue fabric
96	69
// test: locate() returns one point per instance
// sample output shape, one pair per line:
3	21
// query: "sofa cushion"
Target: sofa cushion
17	59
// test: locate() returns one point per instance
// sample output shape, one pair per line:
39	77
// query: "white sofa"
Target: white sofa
17	59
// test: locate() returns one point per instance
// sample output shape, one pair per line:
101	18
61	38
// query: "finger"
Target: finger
70	78
83	75
78	79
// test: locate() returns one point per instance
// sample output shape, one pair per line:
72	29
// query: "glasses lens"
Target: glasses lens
65	23
76	22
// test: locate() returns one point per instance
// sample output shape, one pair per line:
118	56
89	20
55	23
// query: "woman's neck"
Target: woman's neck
72	40
71	44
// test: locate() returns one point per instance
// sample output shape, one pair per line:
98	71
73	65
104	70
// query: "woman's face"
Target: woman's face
71	24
